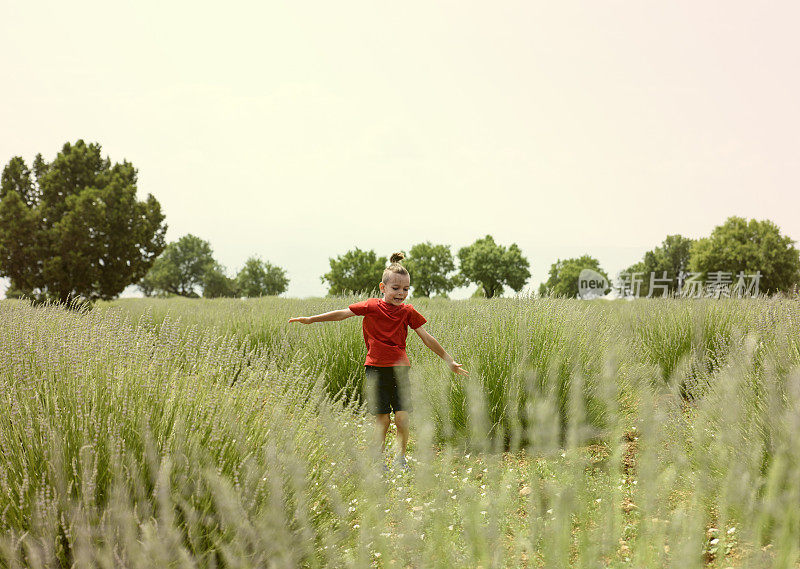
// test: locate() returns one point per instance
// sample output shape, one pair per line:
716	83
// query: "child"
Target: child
387	365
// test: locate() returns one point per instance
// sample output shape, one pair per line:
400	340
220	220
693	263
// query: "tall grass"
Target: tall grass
184	434
515	348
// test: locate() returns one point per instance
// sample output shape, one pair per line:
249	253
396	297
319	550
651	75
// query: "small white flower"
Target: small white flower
730	531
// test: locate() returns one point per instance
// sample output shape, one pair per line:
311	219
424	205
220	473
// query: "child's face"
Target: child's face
395	290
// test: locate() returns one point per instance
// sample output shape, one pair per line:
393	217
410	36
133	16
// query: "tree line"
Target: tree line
433	269
738	245
187	268
73	228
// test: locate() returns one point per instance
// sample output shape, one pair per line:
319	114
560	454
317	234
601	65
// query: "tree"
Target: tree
216	284
17	177
563	277
181	270
493	266
354	272
749	246
429	266
260	278
671	256
74	228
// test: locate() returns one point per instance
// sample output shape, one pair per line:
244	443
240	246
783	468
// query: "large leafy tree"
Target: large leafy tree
749	246
182	269
563	276
493	266
671	256
430	267
354	272
74	228
261	278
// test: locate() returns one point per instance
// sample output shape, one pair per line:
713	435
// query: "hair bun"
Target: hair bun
396	257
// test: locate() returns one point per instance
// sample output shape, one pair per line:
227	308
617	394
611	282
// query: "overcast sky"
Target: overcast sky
299	130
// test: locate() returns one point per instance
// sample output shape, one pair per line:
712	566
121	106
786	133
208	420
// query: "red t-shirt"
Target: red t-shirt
385	330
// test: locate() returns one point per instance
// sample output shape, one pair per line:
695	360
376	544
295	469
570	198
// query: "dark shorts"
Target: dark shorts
387	389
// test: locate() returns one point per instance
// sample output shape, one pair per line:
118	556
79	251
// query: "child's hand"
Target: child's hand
456	368
301	319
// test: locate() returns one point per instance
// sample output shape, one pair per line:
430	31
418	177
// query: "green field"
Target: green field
209	433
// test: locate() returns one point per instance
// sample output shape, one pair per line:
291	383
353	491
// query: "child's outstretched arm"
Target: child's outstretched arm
325	317
437	349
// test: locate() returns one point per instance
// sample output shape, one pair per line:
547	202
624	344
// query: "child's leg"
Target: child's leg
382	423
402	405
378	404
401	420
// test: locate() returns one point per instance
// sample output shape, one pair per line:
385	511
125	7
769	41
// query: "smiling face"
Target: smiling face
395	289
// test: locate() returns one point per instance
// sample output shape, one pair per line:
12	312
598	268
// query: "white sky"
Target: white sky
299	130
